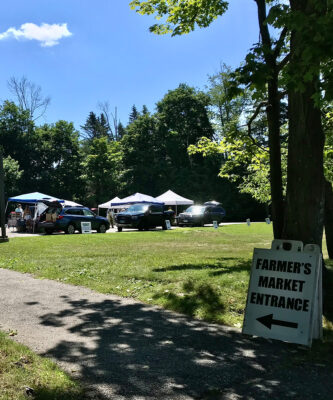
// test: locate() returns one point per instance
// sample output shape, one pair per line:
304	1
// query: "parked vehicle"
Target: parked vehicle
68	219
143	217
200	215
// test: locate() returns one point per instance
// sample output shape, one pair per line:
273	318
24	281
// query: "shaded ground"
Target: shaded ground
125	349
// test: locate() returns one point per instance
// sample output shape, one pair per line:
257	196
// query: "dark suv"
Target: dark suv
201	215
143	217
68	219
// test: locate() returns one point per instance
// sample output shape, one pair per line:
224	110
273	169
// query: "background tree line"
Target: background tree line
106	159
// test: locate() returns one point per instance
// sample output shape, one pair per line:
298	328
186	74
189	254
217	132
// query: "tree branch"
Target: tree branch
280	42
264	32
249	124
283	62
29	96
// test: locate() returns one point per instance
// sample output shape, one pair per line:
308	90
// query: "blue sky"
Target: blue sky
108	54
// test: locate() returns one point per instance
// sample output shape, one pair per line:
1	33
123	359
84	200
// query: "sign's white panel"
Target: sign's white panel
281	297
86	227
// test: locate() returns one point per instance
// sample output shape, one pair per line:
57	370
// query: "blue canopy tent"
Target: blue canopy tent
137	198
33	198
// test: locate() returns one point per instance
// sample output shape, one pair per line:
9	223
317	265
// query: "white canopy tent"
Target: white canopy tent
136	198
109	204
171	198
70	203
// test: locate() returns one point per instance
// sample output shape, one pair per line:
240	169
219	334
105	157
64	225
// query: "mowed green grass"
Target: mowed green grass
201	272
21	368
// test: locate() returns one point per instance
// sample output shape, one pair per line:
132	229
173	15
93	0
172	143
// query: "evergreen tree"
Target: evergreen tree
101	170
95	127
104	127
144	110
134	115
90	128
121	130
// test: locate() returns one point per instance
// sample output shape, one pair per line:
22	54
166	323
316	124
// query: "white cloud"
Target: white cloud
48	35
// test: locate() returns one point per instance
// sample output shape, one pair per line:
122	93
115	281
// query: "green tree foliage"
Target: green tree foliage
48	156
156	157
144	110
121	130
102	169
142	155
12	175
155	147
134	114
225	109
59	160
244	148
295	56
151	157
17	138
181	16
184	118
95	127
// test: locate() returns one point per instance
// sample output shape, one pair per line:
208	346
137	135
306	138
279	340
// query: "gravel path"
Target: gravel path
123	349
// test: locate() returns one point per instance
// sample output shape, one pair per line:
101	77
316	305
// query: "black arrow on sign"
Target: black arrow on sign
268	321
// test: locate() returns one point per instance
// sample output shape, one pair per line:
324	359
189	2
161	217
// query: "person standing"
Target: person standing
19	209
111	217
27	213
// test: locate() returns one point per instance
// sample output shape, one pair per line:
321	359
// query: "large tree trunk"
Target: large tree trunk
273	119
305	179
329	218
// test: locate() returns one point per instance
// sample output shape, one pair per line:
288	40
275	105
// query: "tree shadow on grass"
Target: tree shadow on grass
45	393
221	266
129	350
202	297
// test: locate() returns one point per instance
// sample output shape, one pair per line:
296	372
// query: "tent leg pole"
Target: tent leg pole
34	220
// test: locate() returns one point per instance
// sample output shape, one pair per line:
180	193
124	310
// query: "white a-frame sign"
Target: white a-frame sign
284	299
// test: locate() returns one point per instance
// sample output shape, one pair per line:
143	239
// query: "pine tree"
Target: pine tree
134	114
95	127
104	129
121	131
144	110
90	128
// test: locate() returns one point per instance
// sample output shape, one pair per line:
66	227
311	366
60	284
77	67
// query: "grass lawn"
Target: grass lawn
201	272
21	368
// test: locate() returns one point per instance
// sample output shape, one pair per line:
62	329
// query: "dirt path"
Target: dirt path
124	349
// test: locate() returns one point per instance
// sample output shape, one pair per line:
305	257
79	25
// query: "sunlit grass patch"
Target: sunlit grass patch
22	370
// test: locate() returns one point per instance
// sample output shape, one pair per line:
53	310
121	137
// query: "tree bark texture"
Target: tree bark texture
273	119
305	179
328	218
